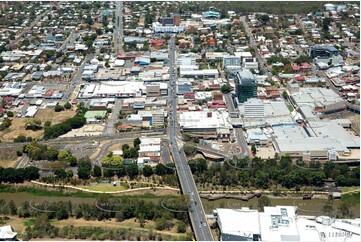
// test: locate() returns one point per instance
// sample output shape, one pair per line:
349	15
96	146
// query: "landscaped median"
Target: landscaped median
107	188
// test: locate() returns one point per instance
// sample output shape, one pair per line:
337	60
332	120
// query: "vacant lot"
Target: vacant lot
8	157
54	117
18	124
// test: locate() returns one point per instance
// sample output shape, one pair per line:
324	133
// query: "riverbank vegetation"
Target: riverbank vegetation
265	174
164	215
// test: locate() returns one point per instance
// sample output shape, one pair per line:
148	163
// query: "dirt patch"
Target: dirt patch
18	128
18	124
54	117
16	223
265	152
116	147
8	157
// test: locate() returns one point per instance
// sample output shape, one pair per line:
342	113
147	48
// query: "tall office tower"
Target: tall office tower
118	31
246	86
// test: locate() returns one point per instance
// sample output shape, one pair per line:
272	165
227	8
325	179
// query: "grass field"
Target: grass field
107	187
18	124
349	189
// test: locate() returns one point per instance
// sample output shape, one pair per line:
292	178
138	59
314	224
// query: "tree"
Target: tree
160	223
189	148
67	105
58	108
186	136
64	155
47	123
285	95
97	171
73	161
132	171
84	168
20	139
10	114
225	88
326	22
136	142
89	43
254	150
99	31
60	173
12	207
263	201
160	170
181	227
147	171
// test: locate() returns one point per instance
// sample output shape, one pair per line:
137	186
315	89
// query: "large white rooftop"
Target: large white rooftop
243	222
204	119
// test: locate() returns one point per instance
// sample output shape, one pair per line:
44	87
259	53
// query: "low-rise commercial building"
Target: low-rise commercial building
282	223
320	99
317	141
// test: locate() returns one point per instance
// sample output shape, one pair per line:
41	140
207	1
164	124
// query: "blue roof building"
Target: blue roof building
211	14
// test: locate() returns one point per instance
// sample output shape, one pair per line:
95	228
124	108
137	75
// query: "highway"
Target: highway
196	212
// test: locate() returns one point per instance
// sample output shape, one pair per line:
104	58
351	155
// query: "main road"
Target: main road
241	140
253	45
196	212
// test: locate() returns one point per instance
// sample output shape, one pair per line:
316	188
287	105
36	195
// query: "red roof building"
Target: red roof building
157	43
211	41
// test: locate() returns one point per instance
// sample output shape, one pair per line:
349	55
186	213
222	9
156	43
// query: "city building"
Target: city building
231	60
204	122
11	89
174	20
95	116
322	100
282	223
262	113
149	151
159	28
323	51
314	142
211	14
246	86
122	89
200	74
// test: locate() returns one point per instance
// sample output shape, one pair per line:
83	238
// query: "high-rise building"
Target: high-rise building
246	86
118	31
